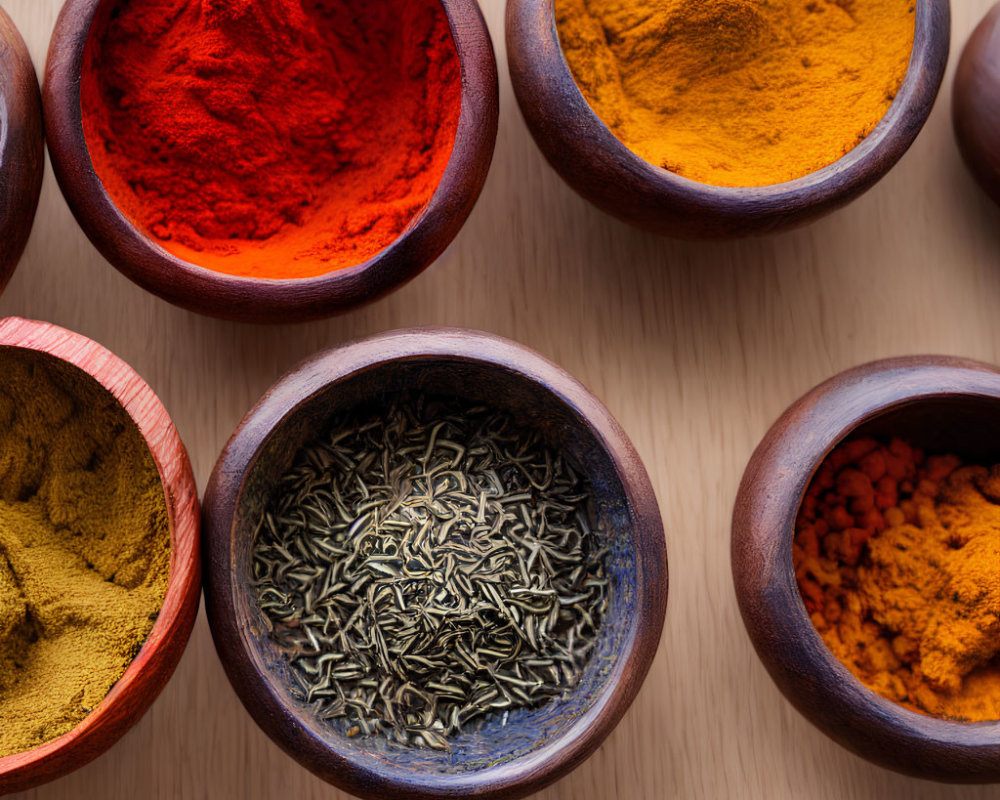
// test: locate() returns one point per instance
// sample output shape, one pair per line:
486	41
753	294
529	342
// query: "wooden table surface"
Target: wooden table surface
695	347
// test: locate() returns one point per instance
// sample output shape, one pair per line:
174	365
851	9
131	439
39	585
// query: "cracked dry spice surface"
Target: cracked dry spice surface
897	556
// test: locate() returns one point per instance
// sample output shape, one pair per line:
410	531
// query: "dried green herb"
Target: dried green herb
426	566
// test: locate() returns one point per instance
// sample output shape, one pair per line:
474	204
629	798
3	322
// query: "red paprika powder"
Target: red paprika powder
271	138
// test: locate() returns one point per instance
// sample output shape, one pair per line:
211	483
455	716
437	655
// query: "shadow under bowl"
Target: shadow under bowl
601	168
490	759
22	146
943	405
140	257
149	671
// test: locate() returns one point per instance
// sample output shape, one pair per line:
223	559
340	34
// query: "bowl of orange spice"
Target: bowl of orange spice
725	118
866	558
272	160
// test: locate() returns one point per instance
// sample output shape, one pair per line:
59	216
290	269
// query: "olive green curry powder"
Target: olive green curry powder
84	546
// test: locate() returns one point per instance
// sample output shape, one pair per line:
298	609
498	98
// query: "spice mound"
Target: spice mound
84	547
738	92
428	566
898	560
271	138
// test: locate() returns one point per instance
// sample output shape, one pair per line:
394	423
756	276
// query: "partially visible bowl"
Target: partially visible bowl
138	255
975	103
601	168
497	760
152	667
943	405
22	146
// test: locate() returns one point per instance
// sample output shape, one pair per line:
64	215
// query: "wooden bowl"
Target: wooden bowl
535	747
602	169
152	667
206	291
975	103
22	147
945	405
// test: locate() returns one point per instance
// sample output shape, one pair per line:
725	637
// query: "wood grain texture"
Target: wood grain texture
152	667
695	348
233	297
497	761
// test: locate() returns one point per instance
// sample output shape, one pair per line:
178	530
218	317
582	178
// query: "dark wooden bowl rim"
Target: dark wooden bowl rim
773	486
523	775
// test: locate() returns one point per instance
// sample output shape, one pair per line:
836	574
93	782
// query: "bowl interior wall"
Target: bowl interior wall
965	425
488	742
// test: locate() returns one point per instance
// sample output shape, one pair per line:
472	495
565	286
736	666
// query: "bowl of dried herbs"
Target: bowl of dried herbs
436	566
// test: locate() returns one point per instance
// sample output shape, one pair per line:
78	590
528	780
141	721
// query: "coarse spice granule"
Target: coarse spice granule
897	555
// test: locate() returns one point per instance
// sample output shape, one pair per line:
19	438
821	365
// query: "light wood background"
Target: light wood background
695	347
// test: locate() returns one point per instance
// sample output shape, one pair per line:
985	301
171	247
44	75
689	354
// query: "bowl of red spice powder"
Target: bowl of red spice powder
436	567
725	118
866	556
271	160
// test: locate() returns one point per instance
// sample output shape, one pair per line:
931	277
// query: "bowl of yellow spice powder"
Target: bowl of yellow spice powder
99	558
725	118
866	557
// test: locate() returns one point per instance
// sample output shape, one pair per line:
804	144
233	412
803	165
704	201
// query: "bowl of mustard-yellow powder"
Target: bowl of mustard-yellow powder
99	570
725	118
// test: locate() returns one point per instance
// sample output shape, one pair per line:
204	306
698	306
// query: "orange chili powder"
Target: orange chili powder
271	138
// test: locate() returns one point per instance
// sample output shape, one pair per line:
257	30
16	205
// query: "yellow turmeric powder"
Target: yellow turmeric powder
738	92
84	546
898	561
